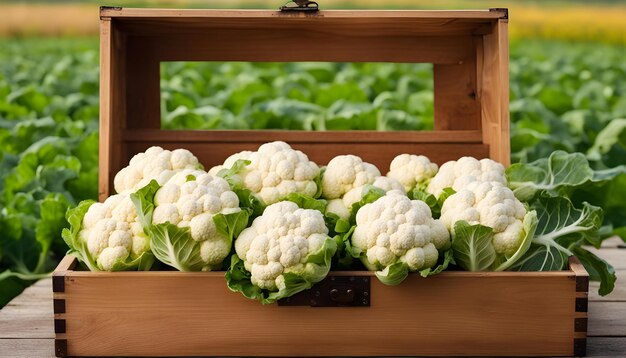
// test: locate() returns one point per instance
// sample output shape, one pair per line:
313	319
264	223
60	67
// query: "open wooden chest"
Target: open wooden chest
167	313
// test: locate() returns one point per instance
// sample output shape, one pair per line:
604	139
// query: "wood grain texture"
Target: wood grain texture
15	329
606	347
484	316
26	348
335	14
494	92
29	315
455	89
104	154
356	137
260	44
604	322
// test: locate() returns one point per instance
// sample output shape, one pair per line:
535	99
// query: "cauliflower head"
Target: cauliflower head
342	206
395	235
155	163
344	173
490	204
412	171
457	174
273	172
189	211
284	251
108	236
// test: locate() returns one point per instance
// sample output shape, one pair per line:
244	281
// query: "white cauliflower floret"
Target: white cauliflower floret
490	204
341	207
412	170
275	171
155	163
191	199
347	178
344	173
458	174
112	233
280	241
396	229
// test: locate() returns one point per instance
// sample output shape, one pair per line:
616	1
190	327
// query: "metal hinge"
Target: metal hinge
301	5
334	291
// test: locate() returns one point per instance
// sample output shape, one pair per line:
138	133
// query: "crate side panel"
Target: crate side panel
446	315
494	92
379	23
455	92
326	45
379	154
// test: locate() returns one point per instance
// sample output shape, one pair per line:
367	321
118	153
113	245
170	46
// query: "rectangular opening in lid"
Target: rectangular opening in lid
310	96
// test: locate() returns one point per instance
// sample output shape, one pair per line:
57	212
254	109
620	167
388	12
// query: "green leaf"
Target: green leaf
558	218
433	202
613	134
78	247
560	228
394	274
143	199
231	225
445	260
307	202
557	175
174	247
472	247
598	269
552	174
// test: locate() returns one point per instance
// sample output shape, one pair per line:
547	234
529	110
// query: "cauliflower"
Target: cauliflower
458	174
412	171
190	212
492	205
155	163
342	207
284	251
273	172
108	236
395	235
344	173
347	179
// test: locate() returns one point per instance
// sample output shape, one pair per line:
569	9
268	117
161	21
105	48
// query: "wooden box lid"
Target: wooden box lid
468	49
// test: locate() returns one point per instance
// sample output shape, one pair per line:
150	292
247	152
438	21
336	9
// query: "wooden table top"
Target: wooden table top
26	323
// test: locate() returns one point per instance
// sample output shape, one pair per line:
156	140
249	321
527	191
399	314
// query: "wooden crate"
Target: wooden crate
194	314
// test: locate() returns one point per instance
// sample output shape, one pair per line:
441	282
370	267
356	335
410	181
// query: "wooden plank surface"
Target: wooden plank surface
338	14
26	324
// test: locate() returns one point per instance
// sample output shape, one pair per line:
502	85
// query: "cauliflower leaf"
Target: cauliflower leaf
474	250
562	230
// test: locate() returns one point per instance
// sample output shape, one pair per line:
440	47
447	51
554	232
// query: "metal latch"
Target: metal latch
334	291
300	5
